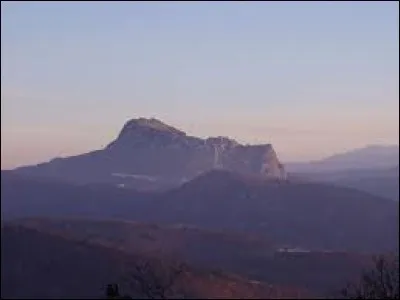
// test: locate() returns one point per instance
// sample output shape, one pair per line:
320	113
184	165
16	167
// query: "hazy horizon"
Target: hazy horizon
313	79
97	147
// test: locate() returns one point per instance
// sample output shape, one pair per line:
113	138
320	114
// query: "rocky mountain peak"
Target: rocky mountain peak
145	131
146	135
148	125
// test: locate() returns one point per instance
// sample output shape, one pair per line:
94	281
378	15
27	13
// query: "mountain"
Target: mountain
244	255
380	182
149	154
287	213
370	157
298	214
39	265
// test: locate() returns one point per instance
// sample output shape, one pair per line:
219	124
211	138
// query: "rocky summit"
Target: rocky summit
150	153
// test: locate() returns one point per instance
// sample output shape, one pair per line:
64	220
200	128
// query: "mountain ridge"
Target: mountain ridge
307	215
149	148
368	157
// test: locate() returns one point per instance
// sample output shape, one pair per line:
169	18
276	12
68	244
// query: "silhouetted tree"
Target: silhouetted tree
112	291
381	282
151	279
155	279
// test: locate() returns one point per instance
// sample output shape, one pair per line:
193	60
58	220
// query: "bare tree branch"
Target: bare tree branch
154	279
381	282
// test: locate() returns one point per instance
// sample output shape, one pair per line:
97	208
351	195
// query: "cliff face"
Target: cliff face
257	159
149	150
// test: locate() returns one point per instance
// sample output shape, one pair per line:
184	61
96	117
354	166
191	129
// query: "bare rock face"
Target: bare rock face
150	150
144	130
271	166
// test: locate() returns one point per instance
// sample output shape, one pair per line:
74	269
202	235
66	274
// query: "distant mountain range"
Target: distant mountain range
370	157
151	155
373	169
380	182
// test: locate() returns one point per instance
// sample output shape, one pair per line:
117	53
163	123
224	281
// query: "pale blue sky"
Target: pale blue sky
312	78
